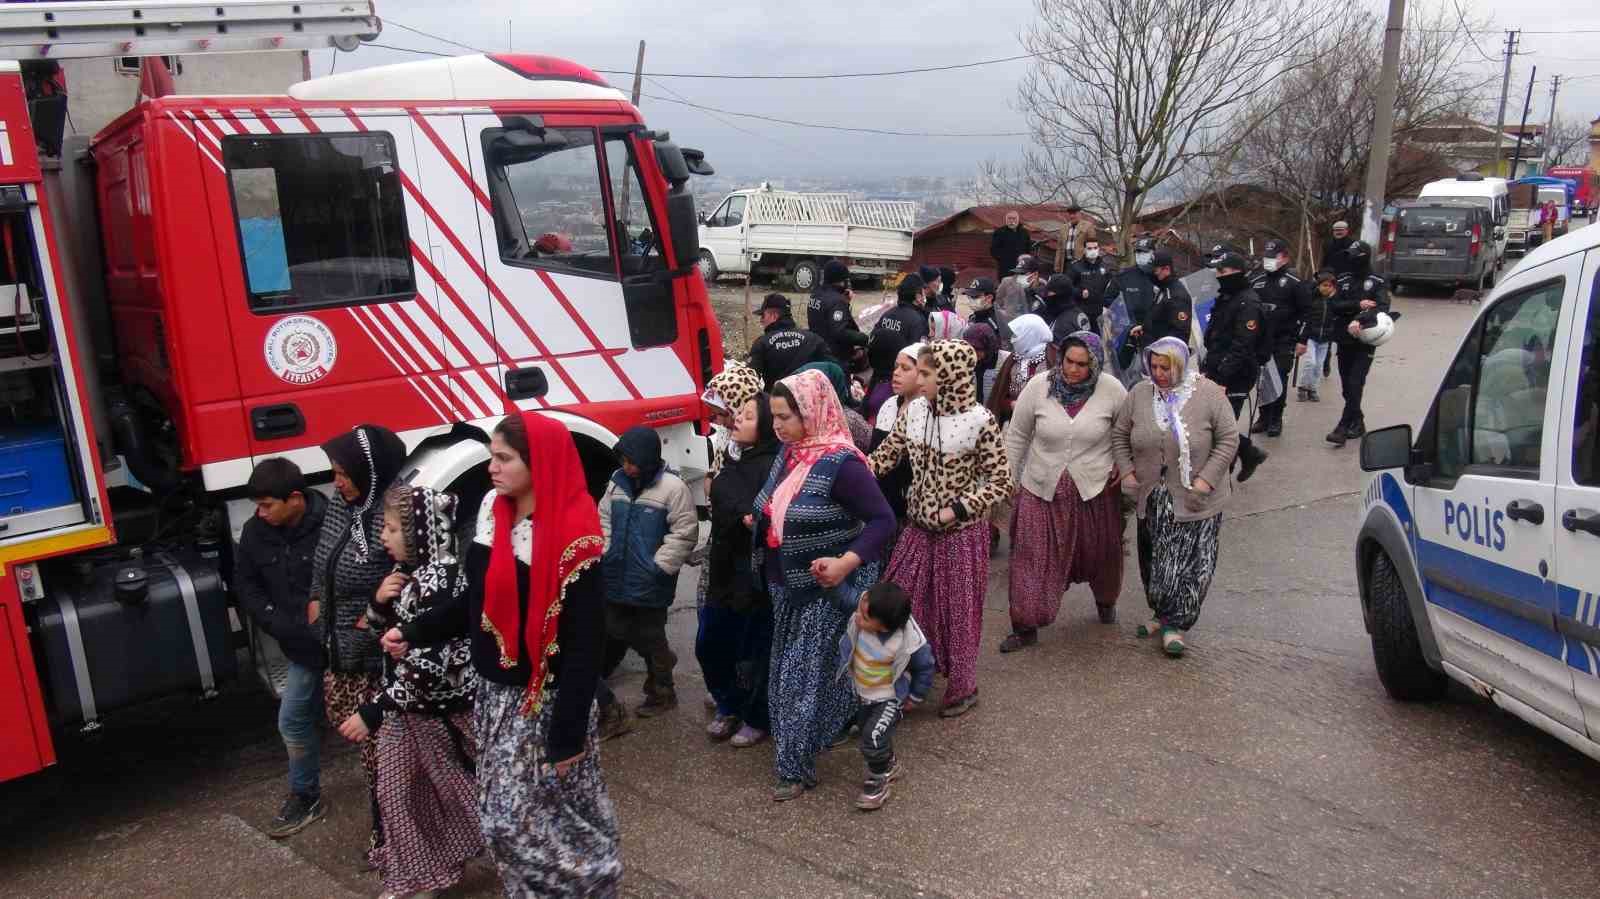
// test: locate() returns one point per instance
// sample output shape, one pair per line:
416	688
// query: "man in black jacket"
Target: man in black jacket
900	327
1335	253
1283	297
829	316
783	346
1008	243
1090	275
1362	295
1173	312
1136	287
1236	347
272	580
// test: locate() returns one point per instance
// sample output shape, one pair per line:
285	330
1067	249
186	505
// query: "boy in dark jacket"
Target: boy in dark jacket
890	664
650	526
272	579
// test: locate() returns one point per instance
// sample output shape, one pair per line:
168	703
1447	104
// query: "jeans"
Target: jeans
1311	365
1354	363
299	719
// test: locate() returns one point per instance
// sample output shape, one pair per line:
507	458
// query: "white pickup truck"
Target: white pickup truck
783	233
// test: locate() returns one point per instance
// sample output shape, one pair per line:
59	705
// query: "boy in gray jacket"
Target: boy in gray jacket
648	519
890	664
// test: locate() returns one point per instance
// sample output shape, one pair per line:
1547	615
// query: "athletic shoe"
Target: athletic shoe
875	791
298	813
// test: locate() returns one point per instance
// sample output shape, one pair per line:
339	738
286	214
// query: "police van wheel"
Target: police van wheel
805	275
708	267
1396	649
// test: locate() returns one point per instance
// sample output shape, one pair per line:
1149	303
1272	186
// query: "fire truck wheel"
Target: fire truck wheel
708	267
805	275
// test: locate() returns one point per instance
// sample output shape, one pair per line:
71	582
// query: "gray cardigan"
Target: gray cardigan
1140	445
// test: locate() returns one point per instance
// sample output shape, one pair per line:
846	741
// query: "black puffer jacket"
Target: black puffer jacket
783	348
828	315
1172	315
731	583
1236	341
272	573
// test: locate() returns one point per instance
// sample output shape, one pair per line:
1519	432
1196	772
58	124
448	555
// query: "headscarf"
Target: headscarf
1030	334
986	340
439	678
955	361
1071	395
729	390
835	376
565	542
943	324
826	432
371	456
890	410
1169	401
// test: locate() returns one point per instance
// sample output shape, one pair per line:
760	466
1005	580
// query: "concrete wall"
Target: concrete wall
99	93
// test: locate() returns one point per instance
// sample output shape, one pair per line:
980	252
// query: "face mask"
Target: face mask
1022	280
1232	282
1091	254
1143	259
1269	263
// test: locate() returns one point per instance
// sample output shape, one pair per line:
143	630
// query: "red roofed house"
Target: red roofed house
962	240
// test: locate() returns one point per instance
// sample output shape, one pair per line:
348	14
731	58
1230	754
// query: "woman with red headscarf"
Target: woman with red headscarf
535	610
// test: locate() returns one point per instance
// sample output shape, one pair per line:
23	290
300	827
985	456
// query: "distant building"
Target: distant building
102	89
1469	146
961	241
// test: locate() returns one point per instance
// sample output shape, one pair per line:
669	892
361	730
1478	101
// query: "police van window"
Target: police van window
321	219
549	209
1491	408
1586	417
638	237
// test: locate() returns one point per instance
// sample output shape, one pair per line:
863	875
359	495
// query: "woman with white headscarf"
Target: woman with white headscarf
1030	338
1174	440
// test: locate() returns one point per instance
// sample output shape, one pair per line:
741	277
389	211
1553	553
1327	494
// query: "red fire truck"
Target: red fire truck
424	246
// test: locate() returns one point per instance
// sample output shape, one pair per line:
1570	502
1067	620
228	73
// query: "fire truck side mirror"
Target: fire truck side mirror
696	161
673	166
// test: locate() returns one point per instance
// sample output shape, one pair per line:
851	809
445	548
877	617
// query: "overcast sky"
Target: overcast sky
762	36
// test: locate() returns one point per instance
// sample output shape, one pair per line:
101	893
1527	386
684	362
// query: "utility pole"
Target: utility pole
1522	129
627	183
1550	123
1383	122
1505	86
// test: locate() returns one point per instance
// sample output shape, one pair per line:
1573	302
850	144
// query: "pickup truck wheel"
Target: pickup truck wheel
805	275
708	267
1396	649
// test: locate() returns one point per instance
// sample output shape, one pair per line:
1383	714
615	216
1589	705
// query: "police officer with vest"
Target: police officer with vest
1173	312
783	346
1090	275
1237	346
1136	287
1283	299
829	316
1362	295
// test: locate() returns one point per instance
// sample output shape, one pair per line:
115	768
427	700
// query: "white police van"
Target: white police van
1479	546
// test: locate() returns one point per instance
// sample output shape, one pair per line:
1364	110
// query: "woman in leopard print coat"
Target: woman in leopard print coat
958	473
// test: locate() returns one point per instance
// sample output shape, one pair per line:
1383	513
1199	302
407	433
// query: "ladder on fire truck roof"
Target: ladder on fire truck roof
107	28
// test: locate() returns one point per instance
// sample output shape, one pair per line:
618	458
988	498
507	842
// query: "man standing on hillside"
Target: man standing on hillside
1007	244
1075	232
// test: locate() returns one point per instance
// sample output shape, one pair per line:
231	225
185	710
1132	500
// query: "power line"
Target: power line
1462	16
442	40
885	131
407	50
734	125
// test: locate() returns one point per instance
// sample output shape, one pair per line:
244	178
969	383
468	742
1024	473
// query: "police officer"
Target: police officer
1362	295
932	287
900	327
1090	275
783	346
1173	312
1236	346
1136	288
1283	298
1061	306
828	315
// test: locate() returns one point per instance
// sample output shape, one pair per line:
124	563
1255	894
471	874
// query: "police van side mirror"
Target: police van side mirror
1386	448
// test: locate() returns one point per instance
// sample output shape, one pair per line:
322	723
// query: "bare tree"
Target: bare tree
1127	94
1568	142
1311	150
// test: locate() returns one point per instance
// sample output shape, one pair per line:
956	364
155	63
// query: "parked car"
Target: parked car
1439	242
1478	549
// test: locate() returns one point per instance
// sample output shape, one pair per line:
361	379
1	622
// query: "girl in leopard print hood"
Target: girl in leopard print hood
958	473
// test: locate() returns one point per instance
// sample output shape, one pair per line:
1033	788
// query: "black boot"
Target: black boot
1337	436
1275	427
1355	431
1249	460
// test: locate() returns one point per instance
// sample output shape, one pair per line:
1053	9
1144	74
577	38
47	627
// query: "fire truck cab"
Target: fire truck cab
423	246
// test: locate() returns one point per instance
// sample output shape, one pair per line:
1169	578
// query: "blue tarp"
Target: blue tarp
266	258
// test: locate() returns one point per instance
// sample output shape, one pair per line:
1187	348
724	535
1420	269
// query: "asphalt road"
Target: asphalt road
1269	761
